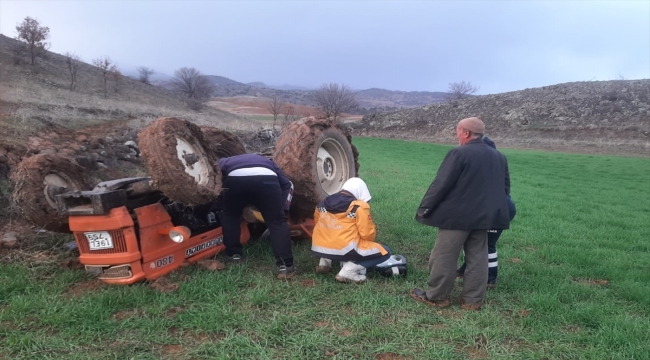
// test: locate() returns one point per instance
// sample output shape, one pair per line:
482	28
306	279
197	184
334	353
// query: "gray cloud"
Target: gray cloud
405	45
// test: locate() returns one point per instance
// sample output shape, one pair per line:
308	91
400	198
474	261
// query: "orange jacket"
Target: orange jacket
345	236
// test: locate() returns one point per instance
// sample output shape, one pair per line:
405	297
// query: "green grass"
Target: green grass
581	219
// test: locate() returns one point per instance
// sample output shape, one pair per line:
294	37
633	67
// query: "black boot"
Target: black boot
492	277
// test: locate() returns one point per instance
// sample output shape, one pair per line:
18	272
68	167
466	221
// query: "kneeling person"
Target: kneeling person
344	231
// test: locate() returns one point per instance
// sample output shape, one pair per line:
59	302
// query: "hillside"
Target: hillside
37	93
598	116
39	113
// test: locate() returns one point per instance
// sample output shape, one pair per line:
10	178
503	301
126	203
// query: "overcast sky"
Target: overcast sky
397	45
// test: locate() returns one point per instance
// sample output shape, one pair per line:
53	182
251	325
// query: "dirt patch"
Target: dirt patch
573	328
172	349
171	312
516	260
82	288
190	336
164	285
72	264
594	282
308	283
475	353
523	313
249	105
121	315
391	356
9	325
345	333
322	324
32	257
212	265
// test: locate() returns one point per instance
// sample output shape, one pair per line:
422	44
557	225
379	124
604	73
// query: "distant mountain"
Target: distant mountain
220	80
290	87
374	98
258	84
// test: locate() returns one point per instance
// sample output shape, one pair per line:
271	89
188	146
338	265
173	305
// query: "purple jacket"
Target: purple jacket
231	163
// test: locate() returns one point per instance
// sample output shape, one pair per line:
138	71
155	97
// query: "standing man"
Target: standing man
252	179
492	238
467	197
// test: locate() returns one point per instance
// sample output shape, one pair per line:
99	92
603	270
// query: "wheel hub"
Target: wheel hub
332	166
54	184
194	163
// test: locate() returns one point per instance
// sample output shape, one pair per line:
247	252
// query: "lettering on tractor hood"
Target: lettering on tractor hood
208	244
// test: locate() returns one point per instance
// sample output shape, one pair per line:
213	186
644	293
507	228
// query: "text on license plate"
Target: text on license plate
99	240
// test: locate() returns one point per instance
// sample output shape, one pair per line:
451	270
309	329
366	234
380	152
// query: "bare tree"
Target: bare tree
460	90
72	61
144	74
31	32
334	99
290	114
275	107
106	65
192	83
116	75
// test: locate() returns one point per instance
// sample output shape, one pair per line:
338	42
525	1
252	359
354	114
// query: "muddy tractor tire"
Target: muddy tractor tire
38	179
180	162
222	143
318	157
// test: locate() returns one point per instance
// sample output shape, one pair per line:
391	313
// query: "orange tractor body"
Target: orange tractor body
122	243
143	253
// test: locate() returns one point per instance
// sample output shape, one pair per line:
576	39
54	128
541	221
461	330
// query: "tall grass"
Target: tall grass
574	282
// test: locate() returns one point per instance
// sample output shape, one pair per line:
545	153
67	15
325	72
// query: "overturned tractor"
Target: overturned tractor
133	229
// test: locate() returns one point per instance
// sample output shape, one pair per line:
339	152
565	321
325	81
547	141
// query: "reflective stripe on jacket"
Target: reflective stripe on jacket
345	236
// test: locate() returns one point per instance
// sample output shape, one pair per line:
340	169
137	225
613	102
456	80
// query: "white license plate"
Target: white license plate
99	240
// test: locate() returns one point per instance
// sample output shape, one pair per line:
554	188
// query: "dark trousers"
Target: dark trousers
444	259
368	263
493	263
265	194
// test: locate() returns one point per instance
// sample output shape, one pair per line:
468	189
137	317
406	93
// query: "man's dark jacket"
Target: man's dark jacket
242	161
469	191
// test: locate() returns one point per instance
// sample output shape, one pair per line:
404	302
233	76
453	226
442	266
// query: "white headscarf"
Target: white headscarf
358	188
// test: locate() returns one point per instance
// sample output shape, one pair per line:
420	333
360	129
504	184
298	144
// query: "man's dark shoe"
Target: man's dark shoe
472	306
286	272
421	296
234	259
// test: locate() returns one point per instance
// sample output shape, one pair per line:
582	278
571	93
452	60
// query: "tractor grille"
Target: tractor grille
119	243
116	272
112	272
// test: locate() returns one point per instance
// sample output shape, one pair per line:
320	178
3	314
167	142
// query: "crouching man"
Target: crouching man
344	231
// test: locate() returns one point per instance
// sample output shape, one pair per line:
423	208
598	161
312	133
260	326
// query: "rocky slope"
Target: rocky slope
598	116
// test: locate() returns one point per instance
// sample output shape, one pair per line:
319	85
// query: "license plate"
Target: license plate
99	240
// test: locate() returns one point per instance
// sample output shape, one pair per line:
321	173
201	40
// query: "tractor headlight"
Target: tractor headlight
179	233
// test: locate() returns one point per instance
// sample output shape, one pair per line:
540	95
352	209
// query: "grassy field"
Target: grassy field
574	282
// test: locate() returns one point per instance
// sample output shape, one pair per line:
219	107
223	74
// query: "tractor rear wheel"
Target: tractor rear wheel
38	179
318	157
223	143
180	162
